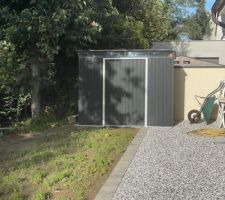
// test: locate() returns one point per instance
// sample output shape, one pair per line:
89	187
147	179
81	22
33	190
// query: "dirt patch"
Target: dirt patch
209	132
28	141
21	142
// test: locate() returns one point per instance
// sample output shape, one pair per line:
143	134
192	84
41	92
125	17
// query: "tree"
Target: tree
177	13
148	12
176	17
155	21
197	26
35	28
123	32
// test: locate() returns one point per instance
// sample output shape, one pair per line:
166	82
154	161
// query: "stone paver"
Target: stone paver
172	164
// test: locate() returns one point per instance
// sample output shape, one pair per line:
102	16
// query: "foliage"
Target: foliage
123	31
33	32
187	19
36	27
198	25
150	13
13	98
51	165
47	120
177	12
176	16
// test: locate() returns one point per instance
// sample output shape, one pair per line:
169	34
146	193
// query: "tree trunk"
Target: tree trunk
35	99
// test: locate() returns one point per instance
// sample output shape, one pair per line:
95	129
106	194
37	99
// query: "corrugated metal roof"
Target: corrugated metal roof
183	61
128	53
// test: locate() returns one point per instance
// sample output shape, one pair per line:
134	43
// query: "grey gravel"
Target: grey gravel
172	164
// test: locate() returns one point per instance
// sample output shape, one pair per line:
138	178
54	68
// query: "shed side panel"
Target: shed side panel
160	91
90	90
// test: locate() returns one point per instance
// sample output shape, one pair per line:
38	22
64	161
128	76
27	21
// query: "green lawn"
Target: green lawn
61	163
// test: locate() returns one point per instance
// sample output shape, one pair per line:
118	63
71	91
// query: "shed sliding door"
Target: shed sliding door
124	92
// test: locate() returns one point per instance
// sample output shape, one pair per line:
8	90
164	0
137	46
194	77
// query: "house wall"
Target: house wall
195	49
189	82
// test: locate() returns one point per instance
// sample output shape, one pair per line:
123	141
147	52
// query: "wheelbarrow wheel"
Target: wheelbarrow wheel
194	116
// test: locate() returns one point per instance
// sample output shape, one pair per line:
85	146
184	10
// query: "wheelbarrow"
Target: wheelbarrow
194	116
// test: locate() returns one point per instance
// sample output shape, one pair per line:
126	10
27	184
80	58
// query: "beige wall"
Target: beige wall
195	48
189	82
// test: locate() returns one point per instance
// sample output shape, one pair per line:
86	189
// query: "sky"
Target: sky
209	4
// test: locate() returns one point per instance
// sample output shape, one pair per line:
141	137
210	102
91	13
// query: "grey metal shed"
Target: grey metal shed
126	87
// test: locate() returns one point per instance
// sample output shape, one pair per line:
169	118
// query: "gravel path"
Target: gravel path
171	164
